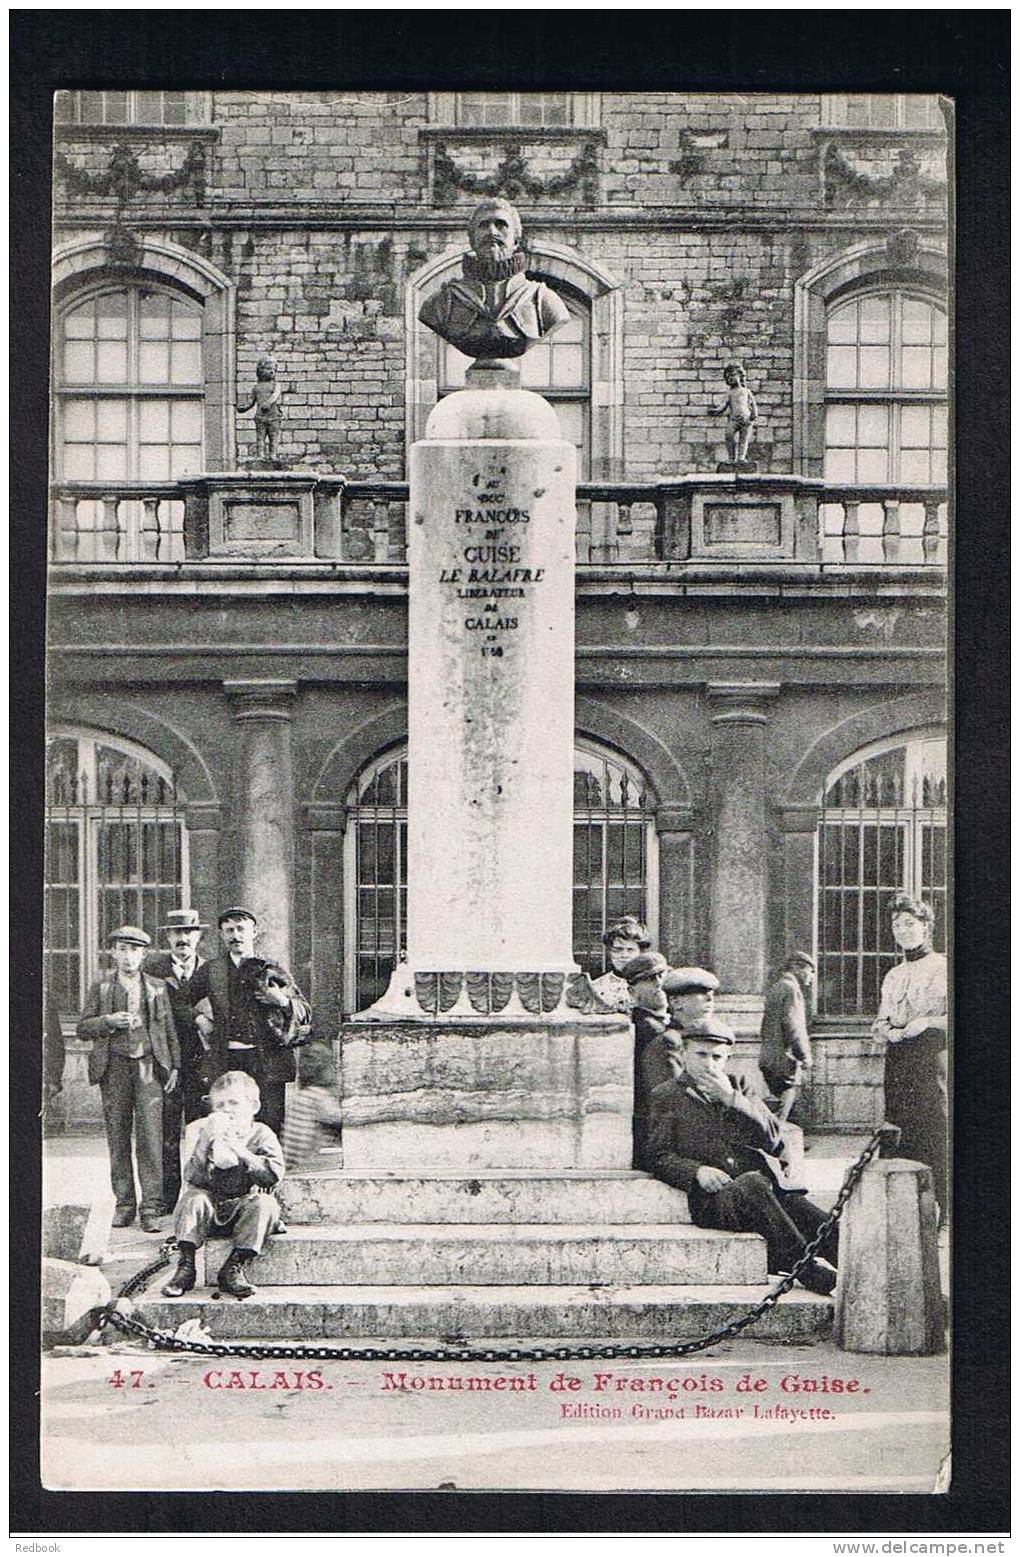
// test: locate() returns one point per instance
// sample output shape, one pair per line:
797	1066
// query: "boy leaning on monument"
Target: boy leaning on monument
231	1169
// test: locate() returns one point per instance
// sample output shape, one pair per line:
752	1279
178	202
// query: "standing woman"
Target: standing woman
624	940
912	1018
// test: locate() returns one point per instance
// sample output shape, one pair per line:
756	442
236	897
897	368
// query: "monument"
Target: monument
490	1047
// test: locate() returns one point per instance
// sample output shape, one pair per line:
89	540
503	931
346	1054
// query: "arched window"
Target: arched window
558	368
882	830
614	863
116	853
885	391
129	415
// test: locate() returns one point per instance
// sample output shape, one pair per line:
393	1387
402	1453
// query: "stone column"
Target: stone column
739	896
265	808
799	826
676	934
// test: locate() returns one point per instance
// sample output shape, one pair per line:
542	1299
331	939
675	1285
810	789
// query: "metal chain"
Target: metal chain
166	1340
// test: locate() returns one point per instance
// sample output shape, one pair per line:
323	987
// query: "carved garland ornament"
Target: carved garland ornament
124	177
489	993
512	177
906	184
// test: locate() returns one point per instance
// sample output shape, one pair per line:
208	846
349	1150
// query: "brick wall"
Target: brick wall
320	206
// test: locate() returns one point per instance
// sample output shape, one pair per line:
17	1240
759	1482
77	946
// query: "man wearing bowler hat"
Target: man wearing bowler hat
134	1061
176	967
250	1022
712	1138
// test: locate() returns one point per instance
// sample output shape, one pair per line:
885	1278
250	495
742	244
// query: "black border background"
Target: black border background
961	54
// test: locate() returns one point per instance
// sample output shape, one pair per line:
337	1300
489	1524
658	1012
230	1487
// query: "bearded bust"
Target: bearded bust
494	310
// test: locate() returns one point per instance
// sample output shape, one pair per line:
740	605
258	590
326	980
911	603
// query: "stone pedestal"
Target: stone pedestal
265	809
489	1048
740	713
446	1096
888	1301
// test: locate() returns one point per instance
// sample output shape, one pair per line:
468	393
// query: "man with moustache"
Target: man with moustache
247	1024
176	967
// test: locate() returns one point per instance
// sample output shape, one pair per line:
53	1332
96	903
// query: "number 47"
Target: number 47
119	1381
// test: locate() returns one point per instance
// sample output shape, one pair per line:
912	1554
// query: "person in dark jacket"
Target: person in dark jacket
690	994
648	1013
711	1138
176	967
785	1053
250	1022
134	1060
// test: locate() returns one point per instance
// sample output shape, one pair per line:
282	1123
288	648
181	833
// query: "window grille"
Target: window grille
613	864
524	109
882	830
115	854
886	401
142	108
881	111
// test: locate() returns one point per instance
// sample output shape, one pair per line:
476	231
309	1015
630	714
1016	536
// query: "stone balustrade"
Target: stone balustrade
757	518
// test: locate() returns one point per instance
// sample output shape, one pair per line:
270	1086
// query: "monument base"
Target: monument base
447	1095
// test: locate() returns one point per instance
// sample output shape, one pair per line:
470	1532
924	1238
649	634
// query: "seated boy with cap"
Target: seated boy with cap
231	1169
644	976
712	1138
690	994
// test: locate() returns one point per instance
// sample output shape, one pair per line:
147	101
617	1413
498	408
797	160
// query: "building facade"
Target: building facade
761	659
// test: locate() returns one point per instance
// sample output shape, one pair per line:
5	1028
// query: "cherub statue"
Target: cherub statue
266	397
738	404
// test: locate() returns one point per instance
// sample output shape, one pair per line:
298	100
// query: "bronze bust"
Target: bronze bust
494	310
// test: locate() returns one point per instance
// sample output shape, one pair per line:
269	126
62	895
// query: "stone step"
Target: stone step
608	1197
489	1254
426	1314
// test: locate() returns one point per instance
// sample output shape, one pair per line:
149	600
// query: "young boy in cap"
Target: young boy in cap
785	1052
712	1138
176	967
231	1169
690	994
644	976
134	1061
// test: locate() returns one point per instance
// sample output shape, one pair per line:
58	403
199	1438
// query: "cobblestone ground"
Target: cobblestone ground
121	1418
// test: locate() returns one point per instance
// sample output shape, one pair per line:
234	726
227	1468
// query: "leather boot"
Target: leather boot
232	1278
183	1278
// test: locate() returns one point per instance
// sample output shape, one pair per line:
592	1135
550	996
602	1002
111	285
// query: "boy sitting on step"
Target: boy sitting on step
231	1168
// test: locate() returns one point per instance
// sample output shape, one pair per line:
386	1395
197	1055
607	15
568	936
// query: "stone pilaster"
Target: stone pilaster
202	822
673	825
325	823
265	808
739	899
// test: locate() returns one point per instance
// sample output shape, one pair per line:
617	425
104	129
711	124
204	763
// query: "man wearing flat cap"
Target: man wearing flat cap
690	994
785	1053
176	967
249	1023
648	1013
913	1020
712	1138
134	1061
